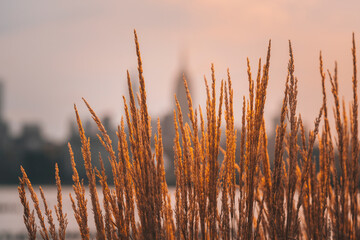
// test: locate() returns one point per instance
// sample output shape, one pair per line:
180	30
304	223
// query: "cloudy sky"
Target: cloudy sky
52	53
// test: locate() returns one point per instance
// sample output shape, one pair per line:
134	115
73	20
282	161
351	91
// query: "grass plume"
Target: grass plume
244	196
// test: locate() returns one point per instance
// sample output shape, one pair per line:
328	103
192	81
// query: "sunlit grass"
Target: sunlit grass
238	198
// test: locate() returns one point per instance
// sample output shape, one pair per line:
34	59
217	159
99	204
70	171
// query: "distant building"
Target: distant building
167	123
31	138
7	163
1	101
4	129
181	92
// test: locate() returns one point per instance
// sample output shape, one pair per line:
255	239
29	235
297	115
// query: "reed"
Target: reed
247	197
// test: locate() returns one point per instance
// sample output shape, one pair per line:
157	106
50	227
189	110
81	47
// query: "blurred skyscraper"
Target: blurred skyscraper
4	132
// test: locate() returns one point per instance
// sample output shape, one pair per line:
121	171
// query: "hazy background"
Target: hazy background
52	53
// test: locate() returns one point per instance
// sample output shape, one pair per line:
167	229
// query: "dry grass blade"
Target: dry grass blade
79	208
294	194
61	217
29	216
90	173
43	231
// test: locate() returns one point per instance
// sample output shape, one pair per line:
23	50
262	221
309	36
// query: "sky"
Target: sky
53	53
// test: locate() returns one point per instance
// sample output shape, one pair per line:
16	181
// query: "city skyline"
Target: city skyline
53	54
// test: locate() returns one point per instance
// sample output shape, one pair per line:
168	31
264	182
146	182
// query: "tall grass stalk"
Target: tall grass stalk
245	197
